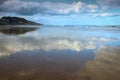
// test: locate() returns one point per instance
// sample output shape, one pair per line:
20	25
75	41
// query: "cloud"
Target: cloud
100	67
109	4
9	46
92	8
20	7
2	1
106	14
33	41
30	8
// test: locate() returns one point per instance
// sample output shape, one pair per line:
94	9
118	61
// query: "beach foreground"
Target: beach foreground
60	53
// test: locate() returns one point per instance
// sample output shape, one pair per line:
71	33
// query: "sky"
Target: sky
64	12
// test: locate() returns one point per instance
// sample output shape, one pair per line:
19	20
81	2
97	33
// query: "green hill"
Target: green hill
16	21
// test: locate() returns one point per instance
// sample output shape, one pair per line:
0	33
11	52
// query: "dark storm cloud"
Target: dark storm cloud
2	1
114	4
20	7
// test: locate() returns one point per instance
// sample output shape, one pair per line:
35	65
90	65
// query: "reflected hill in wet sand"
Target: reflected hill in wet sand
16	30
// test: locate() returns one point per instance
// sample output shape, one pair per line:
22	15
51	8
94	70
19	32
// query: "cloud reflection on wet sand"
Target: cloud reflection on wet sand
44	65
105	65
12	44
52	65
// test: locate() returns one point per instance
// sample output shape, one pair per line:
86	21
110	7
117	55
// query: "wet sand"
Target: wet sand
61	53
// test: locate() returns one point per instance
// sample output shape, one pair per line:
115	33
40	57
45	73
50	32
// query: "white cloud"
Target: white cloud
105	14
82	7
92	8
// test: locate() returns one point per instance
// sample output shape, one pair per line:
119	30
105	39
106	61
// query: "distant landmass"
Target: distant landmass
16	21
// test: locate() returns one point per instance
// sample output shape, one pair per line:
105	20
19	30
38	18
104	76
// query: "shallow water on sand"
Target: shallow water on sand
60	53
